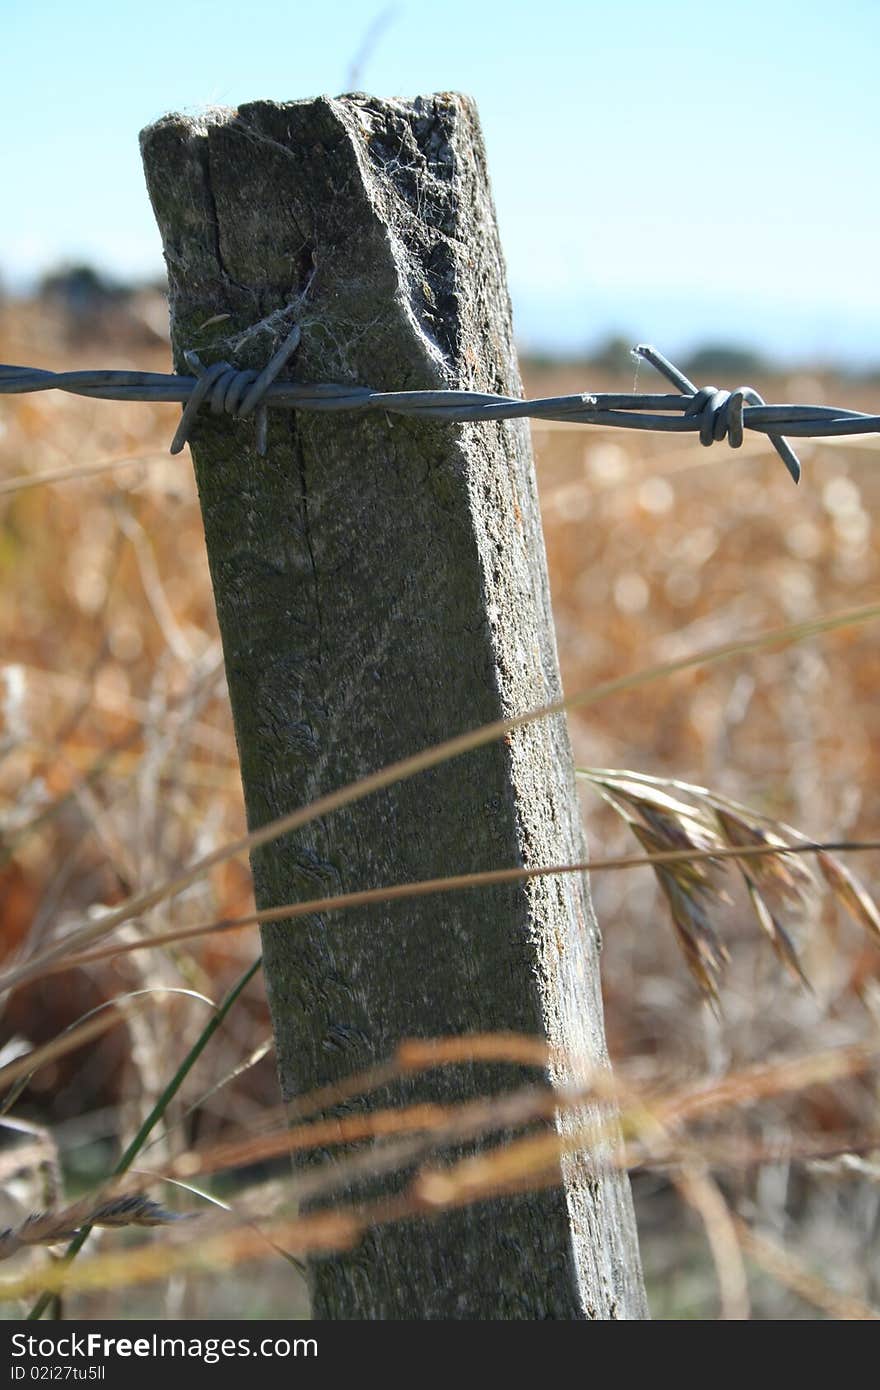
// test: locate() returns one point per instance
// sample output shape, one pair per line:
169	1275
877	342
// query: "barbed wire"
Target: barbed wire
713	413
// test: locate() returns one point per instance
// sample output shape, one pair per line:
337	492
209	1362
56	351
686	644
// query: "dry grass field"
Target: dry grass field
117	768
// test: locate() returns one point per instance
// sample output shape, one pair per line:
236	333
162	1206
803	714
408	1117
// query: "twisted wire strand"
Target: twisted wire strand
712	413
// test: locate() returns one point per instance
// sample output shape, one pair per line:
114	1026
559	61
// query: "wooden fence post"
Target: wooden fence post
380	586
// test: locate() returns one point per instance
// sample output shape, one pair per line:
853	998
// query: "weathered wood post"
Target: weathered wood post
381	586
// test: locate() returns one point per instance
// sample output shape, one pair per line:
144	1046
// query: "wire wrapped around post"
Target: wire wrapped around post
712	413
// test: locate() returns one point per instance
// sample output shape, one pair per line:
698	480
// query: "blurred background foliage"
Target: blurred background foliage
118	766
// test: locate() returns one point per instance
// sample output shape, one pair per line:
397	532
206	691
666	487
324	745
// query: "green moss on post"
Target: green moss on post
380	586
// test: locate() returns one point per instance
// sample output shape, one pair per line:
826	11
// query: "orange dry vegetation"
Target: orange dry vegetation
117	758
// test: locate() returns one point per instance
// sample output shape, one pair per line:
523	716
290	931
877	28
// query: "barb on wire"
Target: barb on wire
712	413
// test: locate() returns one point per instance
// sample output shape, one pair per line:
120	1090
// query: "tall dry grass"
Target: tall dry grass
117	770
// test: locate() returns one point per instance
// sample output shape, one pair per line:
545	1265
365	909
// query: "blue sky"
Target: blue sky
674	171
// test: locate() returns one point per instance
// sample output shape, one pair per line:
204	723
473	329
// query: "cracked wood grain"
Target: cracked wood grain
381	586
